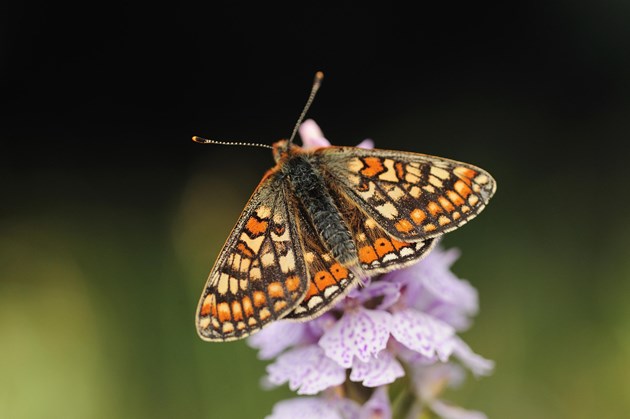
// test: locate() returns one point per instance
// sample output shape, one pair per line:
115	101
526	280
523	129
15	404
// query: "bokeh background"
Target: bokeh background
111	218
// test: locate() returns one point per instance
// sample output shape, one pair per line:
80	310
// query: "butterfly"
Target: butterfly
321	220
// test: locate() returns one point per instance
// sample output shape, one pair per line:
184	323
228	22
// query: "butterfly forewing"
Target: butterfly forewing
411	196
260	274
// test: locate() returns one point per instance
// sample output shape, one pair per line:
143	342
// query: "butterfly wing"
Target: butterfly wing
377	250
260	274
329	280
413	197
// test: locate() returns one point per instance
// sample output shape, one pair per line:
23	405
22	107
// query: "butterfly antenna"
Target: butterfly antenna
206	141
319	76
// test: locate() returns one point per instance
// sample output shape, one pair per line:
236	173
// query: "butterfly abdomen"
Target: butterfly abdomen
308	186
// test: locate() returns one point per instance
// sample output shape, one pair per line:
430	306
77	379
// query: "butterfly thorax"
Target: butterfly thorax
309	187
282	150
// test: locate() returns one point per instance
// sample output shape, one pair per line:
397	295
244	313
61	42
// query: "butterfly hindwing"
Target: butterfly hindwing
411	196
329	280
260	274
377	250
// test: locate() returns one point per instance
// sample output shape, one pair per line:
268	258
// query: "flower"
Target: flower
399	325
313	137
334	407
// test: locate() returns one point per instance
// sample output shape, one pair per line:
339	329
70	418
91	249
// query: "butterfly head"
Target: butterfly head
283	149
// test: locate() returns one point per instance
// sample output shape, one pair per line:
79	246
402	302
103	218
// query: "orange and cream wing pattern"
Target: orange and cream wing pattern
329	280
260	274
411	196
377	250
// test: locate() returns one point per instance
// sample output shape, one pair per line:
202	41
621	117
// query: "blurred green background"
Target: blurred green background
111	217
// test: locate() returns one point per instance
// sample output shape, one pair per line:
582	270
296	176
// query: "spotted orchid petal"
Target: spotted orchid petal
377	407
431	287
479	365
384	369
422	333
305	408
307	369
277	337
389	292
360	333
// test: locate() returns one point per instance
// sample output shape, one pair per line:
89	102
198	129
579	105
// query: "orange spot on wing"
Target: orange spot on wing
339	271
462	189
404	226
244	250
275	290
373	167
400	170
383	247
469	173
363	186
264	314
446	204
256	227
367	255
465	174
259	298
292	283
279	305
434	208
237	311
324	279
224	312
455	199
247	307
312	290
399	245
209	305
418	216
429	227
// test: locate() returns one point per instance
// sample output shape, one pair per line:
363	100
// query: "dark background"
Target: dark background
111	217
